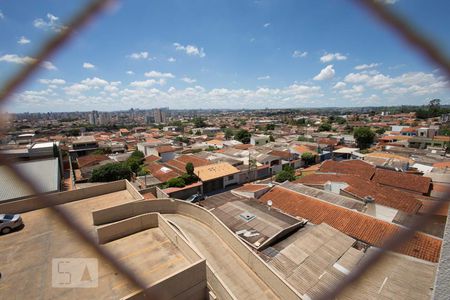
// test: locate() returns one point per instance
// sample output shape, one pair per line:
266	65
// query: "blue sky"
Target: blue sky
222	54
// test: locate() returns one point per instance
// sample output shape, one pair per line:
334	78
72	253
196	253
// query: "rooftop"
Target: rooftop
215	171
352	167
44	173
357	225
26	255
410	182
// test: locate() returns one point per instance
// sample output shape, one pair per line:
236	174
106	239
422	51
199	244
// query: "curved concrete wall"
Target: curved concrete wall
261	269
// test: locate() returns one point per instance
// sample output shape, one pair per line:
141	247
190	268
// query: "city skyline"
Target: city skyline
293	54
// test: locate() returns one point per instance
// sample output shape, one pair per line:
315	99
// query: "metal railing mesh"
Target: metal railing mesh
391	20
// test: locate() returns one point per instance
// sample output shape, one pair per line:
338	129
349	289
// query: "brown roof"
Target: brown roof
195	160
251	187
357	225
286	155
361	188
90	160
176	164
243	146
443	164
165	149
152	158
352	167
410	182
215	171
161	172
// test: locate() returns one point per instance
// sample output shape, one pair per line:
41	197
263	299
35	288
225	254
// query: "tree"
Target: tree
111	172
243	136
199	122
228	133
380	131
364	137
190	168
308	157
325	127
133	163
287	173
271	138
176	182
270	127
137	154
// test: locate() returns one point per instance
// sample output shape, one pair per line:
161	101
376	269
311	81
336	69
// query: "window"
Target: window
231	177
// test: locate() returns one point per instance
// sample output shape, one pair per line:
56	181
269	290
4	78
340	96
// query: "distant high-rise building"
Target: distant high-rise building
93	117
160	115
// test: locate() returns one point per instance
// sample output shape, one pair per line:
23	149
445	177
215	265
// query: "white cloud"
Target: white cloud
2	16
94	82
190	50
156	74
266	25
326	73
388	1
298	53
332	56
139	55
16	59
55	81
129	72
23	41
188	80
87	65
339	85
366	66
171	59
76	89
267	77
355	91
50	23
147	83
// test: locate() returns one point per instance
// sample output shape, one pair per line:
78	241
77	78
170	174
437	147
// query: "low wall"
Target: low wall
280	234
188	283
34	203
126	227
133	191
266	273
160	193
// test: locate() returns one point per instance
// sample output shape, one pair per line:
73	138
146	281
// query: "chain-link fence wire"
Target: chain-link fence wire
394	22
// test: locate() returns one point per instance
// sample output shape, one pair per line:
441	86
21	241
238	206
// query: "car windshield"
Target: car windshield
191	198
8	217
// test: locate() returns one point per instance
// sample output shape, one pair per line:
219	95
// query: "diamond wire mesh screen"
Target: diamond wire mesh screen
401	27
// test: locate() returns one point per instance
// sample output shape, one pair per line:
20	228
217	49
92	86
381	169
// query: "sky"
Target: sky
222	54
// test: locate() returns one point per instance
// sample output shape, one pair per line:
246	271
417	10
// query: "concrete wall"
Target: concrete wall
266	273
126	227
227	182
189	283
133	191
161	194
184	193
34	203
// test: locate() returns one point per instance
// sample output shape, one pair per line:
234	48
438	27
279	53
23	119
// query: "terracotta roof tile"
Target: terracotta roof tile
161	172
251	187
215	171
361	188
195	160
410	182
352	167
357	225
90	160
152	158
165	149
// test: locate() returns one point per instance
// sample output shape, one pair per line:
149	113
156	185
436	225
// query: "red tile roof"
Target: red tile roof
195	160
161	172
90	160
243	146
165	149
251	187
152	158
286	155
410	182
352	167
443	164
361	188
357	225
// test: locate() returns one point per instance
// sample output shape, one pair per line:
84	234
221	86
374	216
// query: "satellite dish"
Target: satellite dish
269	203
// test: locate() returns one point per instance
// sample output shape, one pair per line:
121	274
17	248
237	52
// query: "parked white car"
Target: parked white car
9	222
